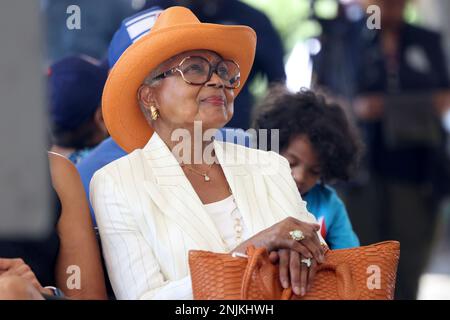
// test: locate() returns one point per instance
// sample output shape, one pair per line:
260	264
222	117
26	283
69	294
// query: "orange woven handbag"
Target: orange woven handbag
363	273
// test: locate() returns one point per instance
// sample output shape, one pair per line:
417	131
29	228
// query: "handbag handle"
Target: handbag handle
254	262
254	259
345	286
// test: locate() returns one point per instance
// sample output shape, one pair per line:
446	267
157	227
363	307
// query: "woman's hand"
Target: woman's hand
17	267
289	253
293	272
277	237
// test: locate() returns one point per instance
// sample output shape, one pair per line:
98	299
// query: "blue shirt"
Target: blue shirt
79	155
324	203
100	156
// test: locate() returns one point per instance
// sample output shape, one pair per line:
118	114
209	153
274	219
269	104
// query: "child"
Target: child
317	140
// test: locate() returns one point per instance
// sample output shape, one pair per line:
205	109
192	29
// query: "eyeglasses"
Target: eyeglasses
197	70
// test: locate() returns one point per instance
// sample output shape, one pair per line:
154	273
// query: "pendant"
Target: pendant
206	177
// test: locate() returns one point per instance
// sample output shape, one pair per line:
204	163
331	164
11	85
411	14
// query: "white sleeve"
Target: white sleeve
132	268
173	290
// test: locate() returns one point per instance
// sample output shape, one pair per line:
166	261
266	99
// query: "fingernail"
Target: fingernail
285	284
303	291
297	290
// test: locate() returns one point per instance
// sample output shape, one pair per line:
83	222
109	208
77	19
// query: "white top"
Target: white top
224	214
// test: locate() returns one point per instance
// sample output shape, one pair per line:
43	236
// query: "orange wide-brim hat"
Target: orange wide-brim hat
176	30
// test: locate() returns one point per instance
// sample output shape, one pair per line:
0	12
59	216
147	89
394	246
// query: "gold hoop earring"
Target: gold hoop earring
154	112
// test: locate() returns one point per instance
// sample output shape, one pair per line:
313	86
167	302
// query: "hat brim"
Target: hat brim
123	117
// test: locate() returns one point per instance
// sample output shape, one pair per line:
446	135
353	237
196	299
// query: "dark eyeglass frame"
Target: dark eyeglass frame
212	69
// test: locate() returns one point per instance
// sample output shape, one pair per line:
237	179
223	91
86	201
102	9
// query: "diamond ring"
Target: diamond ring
307	262
297	235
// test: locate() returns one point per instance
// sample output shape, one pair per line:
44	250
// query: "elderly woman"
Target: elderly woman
160	201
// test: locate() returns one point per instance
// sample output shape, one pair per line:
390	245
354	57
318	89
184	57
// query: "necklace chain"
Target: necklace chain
237	221
203	174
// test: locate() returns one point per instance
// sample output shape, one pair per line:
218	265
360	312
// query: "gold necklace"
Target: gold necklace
203	174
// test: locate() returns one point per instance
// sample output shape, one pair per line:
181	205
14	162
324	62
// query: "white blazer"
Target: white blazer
149	215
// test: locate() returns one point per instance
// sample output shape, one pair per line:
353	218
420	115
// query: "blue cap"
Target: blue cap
131	30
76	85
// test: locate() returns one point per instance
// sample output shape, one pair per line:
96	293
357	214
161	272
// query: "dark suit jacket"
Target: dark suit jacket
421	70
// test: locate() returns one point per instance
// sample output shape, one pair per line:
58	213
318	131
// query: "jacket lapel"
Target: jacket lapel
247	184
174	195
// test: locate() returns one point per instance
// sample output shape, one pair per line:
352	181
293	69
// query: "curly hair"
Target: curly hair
334	139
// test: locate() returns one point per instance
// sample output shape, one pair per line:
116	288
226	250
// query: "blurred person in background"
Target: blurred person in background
333	66
98	20
399	93
76	86
321	147
66	262
269	51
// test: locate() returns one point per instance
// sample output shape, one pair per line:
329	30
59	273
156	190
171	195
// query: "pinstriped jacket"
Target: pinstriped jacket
149	215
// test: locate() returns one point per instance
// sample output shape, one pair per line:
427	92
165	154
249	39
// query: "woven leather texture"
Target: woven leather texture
363	273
